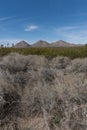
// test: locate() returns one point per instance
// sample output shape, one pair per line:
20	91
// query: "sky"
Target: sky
49	20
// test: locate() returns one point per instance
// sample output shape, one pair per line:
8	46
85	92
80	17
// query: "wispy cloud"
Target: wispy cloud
5	18
66	28
31	28
75	34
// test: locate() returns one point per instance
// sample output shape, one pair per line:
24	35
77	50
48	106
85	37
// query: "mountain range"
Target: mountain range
42	43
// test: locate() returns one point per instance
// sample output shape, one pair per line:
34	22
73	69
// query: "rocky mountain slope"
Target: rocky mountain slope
22	44
62	43
41	43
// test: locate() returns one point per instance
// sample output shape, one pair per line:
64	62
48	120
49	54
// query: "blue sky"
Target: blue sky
49	20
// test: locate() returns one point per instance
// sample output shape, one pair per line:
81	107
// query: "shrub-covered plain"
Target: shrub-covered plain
72	52
41	93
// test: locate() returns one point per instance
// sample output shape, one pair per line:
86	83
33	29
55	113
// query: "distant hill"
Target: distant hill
41	43
22	44
61	43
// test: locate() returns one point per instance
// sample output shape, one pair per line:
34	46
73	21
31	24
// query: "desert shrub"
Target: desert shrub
78	65
10	110
11	104
15	63
60	62
48	75
33	87
72	52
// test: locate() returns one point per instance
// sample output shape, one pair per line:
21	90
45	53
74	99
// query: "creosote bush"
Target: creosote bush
71	52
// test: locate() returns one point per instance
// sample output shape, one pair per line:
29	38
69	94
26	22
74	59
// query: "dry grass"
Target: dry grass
38	93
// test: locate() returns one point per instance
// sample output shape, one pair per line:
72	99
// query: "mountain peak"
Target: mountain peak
22	44
62	43
41	43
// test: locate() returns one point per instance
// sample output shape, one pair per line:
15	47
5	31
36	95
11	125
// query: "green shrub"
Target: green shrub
72	52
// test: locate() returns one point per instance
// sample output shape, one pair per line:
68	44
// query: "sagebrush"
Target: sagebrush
41	93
